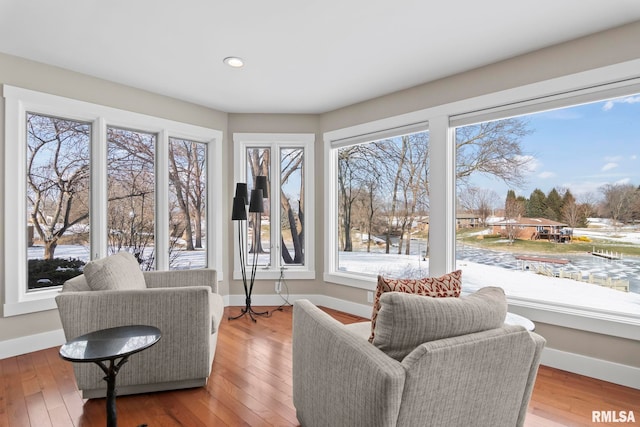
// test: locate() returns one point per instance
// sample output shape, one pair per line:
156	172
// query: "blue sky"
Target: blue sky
580	148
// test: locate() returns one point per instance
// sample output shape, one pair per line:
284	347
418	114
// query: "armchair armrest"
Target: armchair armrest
339	378
183	315
182	278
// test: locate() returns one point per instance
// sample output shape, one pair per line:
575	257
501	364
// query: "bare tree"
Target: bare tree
350	166
259	160
187	181
618	202
57	177
480	201
513	210
493	149
131	193
292	165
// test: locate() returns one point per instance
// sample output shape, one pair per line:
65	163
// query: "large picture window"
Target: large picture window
91	181
383	206
534	190
284	231
555	217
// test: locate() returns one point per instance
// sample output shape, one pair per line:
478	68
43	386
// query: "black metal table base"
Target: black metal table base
111	371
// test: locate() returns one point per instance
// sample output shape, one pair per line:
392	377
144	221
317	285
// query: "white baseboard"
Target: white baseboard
22	345
591	367
362	310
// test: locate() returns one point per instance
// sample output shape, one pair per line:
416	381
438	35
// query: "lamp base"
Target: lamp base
248	310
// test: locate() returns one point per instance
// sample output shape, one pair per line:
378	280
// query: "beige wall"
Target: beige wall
599	50
31	75
280	123
611	47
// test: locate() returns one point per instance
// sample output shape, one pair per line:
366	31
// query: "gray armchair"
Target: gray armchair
184	305
481	378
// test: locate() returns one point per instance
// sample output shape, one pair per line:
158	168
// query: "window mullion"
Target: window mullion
162	201
99	240
274	203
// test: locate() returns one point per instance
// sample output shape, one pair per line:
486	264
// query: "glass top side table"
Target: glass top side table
104	347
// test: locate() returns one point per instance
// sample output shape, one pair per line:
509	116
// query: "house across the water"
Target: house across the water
534	229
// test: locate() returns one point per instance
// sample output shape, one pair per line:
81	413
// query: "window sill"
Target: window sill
272	274
569	316
32	302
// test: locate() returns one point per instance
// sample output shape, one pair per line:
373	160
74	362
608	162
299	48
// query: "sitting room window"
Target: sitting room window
285	229
83	181
378	205
557	203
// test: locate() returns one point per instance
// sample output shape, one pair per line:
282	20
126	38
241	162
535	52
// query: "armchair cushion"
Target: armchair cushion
447	285
116	272
405	321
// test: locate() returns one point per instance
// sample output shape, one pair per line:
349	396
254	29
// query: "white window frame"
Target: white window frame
565	91
276	142
18	102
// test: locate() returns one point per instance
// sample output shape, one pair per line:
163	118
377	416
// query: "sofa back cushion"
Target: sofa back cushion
405	321
447	285
116	272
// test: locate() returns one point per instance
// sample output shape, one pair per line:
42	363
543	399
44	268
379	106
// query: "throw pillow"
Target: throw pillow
448	285
116	272
406	321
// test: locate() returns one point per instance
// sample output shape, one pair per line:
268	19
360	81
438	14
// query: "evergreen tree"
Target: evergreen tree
537	204
553	209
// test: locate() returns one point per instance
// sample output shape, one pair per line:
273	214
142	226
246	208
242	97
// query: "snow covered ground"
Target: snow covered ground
480	268
515	282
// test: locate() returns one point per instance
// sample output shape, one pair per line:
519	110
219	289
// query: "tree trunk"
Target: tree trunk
50	248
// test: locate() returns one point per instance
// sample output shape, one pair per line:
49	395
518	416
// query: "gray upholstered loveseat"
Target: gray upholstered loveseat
433	362
184	305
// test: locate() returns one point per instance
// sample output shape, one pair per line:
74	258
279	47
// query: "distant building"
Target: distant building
468	220
534	229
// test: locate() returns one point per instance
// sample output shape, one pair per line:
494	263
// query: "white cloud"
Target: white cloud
624	100
609	166
633	157
584	187
611	159
623	181
546	174
529	163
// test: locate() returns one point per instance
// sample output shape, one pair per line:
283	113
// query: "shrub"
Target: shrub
52	272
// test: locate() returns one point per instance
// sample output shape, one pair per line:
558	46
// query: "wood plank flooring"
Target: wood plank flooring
250	385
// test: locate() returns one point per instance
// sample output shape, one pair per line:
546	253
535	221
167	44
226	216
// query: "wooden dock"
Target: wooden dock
542	259
606	254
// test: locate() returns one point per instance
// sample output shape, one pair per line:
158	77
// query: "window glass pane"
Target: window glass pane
292	205
259	228
549	205
383	206
57	199
131	198
187	202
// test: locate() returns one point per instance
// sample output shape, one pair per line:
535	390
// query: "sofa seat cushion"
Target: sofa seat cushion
447	285
116	272
405	321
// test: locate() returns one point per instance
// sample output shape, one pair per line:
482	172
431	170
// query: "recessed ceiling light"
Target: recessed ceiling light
234	61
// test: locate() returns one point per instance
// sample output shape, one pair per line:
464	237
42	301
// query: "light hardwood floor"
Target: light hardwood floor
250	385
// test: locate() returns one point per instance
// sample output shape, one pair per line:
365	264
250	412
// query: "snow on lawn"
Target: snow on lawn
516	283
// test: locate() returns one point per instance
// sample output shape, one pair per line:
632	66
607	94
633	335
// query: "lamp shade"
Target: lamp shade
261	184
241	191
239	211
255	204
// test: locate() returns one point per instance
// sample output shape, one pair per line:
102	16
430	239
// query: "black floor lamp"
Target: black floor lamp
239	213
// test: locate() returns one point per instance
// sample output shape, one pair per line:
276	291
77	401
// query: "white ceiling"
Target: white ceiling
302	56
